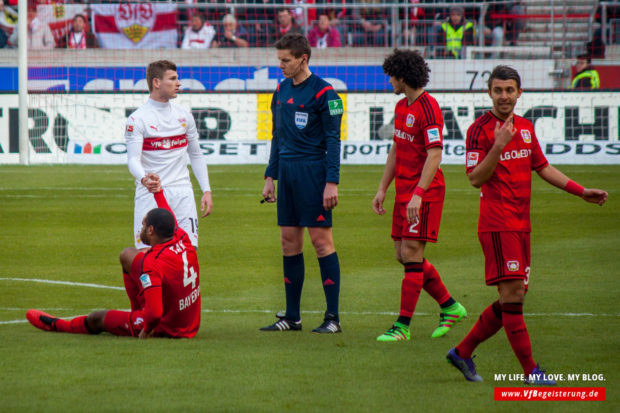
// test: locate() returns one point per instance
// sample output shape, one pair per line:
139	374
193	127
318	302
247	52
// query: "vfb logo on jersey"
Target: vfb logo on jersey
301	120
512	265
527	137
410	120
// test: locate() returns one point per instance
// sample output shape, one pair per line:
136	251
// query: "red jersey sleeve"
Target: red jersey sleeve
153	305
476	145
163	203
539	160
432	126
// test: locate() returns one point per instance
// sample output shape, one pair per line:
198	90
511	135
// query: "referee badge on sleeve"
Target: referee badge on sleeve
301	120
335	107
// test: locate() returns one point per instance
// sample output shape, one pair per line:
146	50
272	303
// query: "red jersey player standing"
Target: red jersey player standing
413	162
162	284
502	151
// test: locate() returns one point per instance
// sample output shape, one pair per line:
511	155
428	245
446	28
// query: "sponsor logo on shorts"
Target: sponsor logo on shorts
512	265
335	107
145	280
410	120
433	135
301	120
525	134
472	159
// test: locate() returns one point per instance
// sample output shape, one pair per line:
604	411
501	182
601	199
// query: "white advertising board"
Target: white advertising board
577	128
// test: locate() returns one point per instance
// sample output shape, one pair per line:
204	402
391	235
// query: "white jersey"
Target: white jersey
198	40
159	137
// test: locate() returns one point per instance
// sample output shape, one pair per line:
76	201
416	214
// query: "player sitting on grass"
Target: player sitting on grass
162	284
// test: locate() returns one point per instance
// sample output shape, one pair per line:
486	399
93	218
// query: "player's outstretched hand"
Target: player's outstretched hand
596	196
206	204
152	182
377	203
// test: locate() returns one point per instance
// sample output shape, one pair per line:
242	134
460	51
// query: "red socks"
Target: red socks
516	331
75	326
411	287
433	284
489	323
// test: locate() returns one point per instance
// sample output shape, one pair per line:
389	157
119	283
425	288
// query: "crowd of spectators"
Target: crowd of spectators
203	24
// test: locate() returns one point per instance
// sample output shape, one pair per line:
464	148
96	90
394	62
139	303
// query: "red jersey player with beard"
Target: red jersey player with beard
502	151
162	284
413	162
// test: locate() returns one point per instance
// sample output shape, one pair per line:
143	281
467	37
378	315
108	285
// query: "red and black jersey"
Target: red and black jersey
505	197
172	268
417	128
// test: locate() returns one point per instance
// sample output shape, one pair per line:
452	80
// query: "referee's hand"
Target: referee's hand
269	191
330	196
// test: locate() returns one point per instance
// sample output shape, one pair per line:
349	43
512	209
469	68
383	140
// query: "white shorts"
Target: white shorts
181	200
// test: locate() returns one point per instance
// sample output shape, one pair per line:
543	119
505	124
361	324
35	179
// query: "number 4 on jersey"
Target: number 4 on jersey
189	274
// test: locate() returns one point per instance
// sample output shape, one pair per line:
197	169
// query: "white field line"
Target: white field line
241	311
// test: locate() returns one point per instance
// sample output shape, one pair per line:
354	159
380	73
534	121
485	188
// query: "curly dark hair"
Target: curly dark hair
408	65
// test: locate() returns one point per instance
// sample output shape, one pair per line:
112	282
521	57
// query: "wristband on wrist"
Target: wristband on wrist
574	188
419	191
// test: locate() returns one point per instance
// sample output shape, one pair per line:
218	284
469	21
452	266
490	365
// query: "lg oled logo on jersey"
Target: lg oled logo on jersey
410	120
523	153
433	135
525	134
301	120
512	265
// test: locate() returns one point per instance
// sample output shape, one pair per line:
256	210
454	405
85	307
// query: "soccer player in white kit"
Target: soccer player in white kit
160	135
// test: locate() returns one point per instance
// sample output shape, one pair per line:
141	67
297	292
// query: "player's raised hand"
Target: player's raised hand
377	203
505	132
596	196
206	204
330	196
152	182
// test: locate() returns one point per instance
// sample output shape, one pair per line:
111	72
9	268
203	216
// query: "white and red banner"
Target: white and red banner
135	25
59	17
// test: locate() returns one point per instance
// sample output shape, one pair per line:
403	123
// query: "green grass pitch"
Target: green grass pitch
69	223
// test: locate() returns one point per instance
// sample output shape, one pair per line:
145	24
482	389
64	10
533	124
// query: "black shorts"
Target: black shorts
301	184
